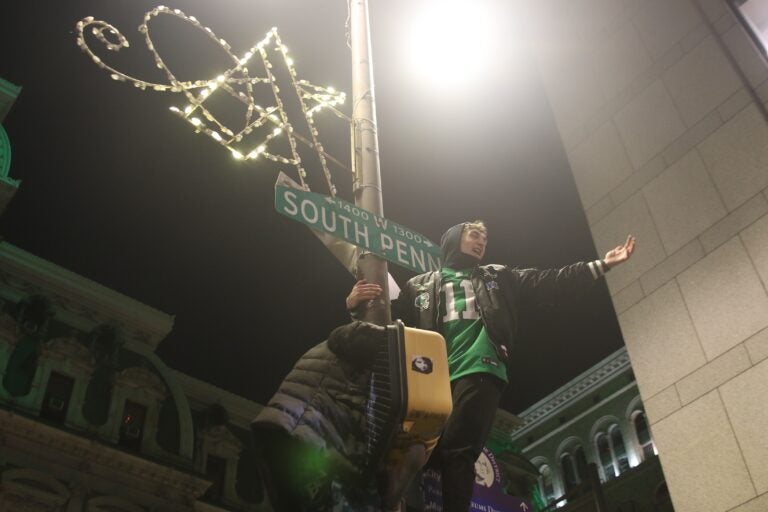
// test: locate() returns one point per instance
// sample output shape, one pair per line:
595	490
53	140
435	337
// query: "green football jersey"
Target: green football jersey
469	348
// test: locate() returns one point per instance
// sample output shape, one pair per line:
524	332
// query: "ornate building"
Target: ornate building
590	442
92	420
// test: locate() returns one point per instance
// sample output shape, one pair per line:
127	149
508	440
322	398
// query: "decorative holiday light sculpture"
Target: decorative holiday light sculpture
238	83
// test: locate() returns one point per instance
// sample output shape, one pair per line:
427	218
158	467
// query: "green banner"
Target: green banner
362	228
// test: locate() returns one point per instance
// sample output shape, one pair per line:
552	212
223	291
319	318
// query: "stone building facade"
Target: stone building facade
91	420
661	106
597	420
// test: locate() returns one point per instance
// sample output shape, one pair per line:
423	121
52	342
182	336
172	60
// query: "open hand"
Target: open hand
621	253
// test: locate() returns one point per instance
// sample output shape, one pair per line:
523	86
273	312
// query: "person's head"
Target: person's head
463	245
474	239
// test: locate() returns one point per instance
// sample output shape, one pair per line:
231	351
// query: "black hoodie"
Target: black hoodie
450	243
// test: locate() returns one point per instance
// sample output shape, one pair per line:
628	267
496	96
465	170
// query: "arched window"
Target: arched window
546	483
619	449
58	394
609	444
573	463
604	453
643	434
570	474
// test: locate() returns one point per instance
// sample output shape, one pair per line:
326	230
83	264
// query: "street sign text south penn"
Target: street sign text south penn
362	228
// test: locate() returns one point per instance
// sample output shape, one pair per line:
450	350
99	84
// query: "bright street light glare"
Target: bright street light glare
450	42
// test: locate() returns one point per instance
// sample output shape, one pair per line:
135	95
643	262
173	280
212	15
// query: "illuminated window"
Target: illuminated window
132	425
604	452
753	15
574	465
56	399
619	449
643	433
546	483
611	452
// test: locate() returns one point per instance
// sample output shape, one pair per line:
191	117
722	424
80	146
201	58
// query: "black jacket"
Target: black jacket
322	399
500	292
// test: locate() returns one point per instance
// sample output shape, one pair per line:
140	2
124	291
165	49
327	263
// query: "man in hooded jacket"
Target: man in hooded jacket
476	308
312	431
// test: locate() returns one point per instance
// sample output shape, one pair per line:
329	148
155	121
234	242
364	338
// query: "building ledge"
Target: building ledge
79	301
30	443
608	369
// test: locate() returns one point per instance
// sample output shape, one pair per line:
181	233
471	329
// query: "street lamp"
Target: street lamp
450	43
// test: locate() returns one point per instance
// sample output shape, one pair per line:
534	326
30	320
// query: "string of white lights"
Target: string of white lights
236	82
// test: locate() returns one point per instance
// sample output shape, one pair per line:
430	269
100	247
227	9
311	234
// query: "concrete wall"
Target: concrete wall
657	102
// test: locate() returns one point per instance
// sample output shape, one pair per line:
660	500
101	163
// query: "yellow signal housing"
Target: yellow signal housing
426	390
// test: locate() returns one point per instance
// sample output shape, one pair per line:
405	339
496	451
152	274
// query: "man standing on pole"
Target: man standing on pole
476	308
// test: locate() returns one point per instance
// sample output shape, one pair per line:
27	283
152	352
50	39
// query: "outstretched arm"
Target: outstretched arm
542	286
620	254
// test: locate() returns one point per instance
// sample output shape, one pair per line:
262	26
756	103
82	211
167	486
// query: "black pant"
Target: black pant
475	400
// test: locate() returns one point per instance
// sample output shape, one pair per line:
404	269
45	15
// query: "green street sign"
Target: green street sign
362	228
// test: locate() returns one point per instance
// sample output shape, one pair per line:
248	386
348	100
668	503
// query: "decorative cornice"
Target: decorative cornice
80	301
202	395
69	350
52	447
566	427
46	491
504	423
142	379
220	441
603	372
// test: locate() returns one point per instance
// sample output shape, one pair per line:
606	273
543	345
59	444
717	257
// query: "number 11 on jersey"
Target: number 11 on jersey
460	304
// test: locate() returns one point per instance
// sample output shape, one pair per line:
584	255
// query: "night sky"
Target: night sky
121	191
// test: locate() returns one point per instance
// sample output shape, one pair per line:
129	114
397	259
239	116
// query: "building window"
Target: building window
604	453
574	465
612	452
56	399
570	474
753	16
546	483
643	433
216	472
132	425
619	449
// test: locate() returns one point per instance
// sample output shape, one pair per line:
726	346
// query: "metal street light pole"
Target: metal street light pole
368	196
366	153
